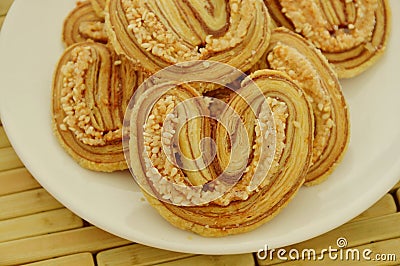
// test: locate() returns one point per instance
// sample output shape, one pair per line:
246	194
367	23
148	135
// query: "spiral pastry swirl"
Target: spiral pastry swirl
83	24
157	34
291	53
91	89
156	131
352	34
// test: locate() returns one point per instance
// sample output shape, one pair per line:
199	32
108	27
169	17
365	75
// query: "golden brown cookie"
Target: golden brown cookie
291	53
351	34
278	173
91	89
83	24
161	33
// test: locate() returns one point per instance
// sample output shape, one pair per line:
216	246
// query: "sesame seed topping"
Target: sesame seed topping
79	117
301	70
309	19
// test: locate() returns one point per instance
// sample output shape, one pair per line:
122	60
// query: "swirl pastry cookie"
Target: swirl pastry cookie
83	24
352	34
91	89
291	53
161	33
209	211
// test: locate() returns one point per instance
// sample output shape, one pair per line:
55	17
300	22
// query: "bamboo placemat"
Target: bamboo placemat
35	229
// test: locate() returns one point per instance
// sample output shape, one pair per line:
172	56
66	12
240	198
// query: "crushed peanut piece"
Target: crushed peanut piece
79	117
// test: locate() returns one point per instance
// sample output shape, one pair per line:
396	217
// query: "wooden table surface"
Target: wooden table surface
35	229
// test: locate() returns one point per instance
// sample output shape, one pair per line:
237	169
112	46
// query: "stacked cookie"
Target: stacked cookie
291	108
92	86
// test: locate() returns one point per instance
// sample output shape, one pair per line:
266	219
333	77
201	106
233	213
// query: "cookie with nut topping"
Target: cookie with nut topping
352	34
158	34
293	54
83	24
263	144
91	89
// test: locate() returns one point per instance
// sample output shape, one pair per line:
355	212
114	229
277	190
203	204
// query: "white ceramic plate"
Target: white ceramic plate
30	45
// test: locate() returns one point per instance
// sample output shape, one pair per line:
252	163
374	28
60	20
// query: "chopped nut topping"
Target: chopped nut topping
310	20
147	23
300	69
159	131
263	130
79	117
